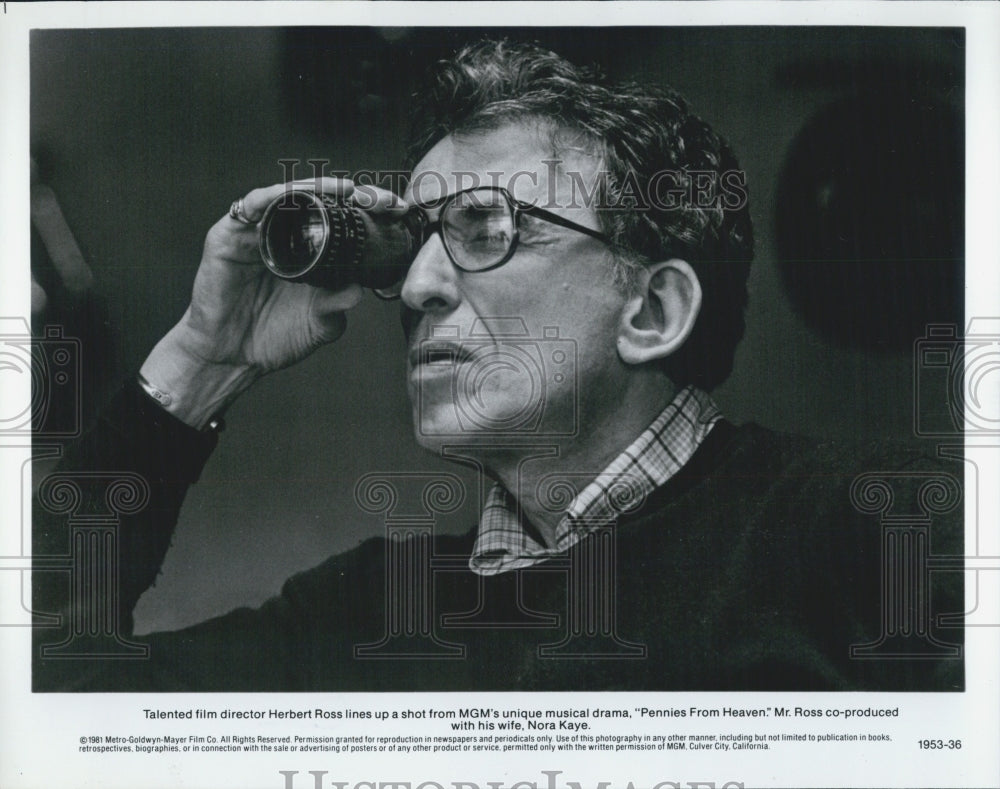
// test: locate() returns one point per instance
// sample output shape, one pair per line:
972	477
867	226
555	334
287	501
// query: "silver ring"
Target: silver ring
236	212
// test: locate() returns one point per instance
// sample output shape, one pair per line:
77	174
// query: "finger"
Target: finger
231	241
48	219
38	298
377	200
258	200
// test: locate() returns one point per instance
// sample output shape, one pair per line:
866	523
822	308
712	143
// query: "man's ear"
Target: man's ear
657	320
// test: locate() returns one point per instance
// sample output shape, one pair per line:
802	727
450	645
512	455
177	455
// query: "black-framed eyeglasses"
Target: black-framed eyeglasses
480	228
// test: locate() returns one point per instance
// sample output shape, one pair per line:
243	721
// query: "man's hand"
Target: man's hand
243	322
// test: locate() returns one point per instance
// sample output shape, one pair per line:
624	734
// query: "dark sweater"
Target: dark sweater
749	570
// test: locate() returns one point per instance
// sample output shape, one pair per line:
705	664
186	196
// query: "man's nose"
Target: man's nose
431	284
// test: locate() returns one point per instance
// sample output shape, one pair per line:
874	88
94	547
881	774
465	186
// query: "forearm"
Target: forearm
133	438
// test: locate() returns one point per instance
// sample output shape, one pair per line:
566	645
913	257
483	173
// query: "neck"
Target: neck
580	458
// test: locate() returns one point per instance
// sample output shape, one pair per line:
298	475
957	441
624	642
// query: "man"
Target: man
635	539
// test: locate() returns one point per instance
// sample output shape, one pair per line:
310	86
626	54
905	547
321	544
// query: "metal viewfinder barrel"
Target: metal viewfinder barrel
323	241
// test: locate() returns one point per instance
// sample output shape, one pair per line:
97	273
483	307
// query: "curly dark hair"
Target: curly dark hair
638	132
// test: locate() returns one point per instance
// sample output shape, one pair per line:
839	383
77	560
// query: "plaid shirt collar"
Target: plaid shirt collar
654	457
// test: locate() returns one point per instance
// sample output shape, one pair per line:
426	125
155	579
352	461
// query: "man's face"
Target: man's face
526	349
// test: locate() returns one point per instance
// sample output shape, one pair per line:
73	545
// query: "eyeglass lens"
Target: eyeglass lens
477	228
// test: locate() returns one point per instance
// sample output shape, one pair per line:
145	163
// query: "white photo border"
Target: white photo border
39	732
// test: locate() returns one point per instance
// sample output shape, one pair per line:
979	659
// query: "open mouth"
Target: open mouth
440	354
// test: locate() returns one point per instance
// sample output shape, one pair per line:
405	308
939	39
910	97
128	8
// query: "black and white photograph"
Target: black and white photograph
462	391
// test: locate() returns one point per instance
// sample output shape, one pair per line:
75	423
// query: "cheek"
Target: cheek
508	383
571	300
573	291
586	316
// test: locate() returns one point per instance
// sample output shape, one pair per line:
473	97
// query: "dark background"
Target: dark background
146	137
